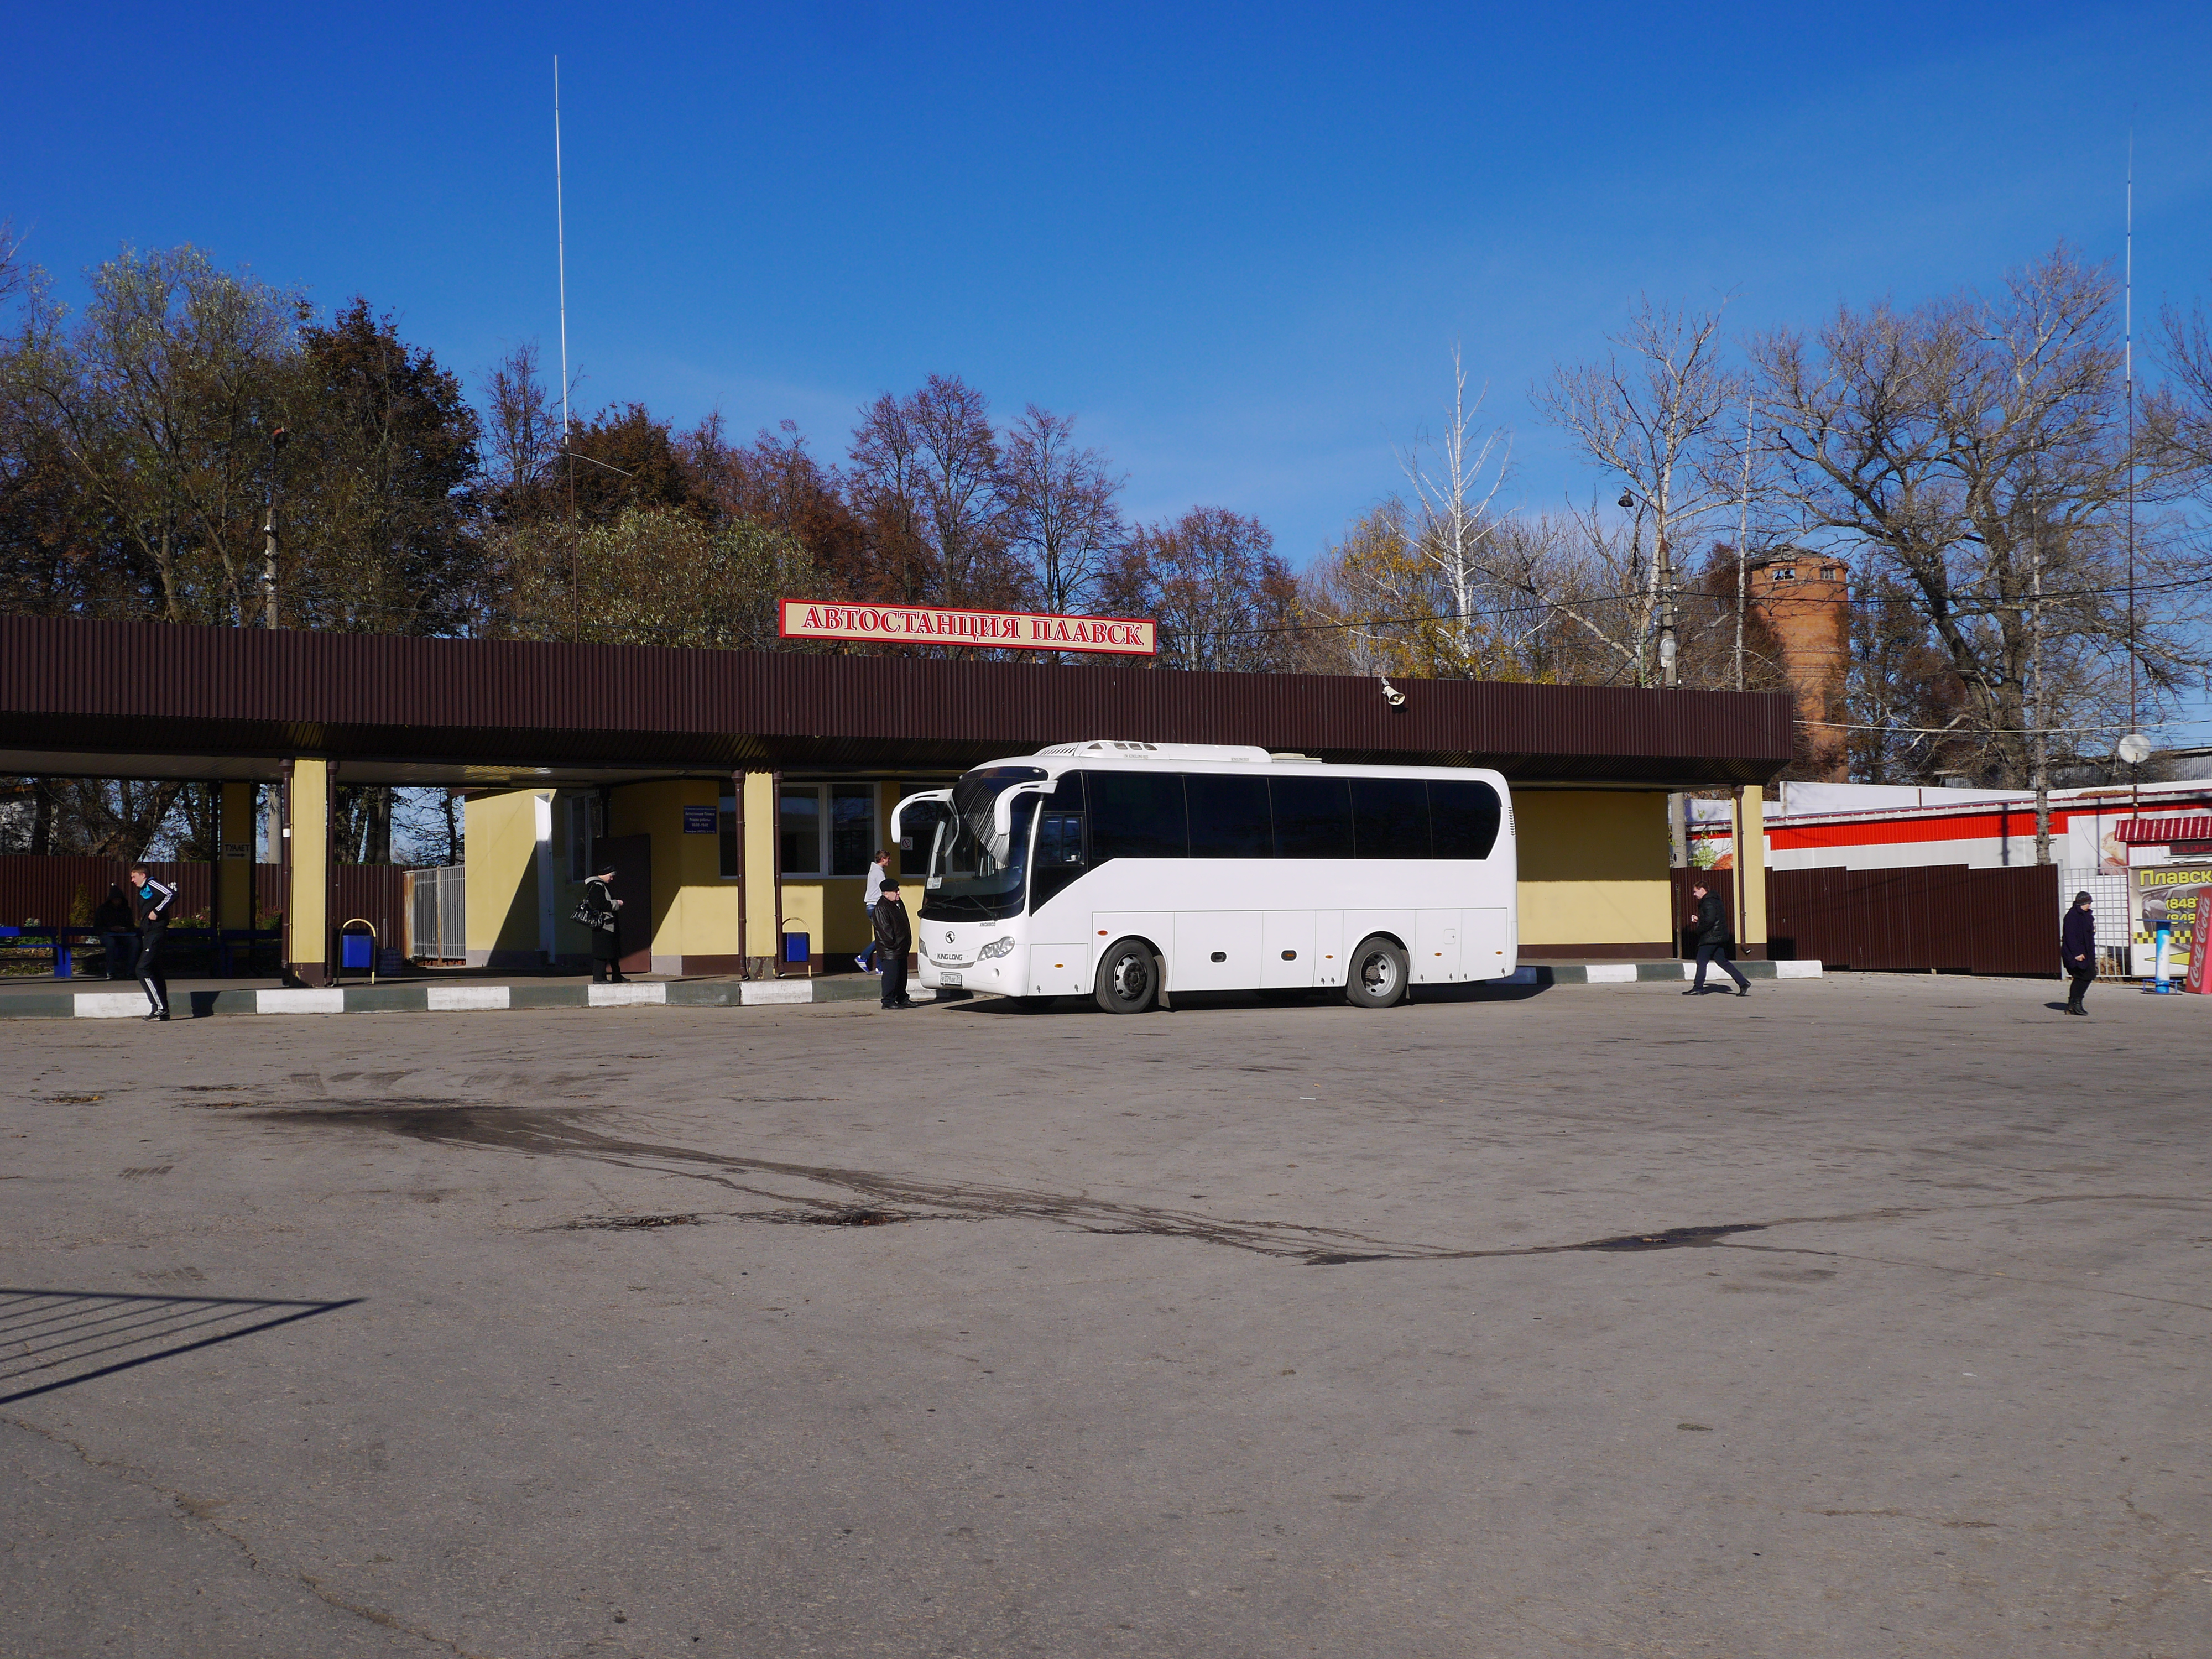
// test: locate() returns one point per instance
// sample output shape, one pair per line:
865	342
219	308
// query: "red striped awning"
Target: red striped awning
2136	832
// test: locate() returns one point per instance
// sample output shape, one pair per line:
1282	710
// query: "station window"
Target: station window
726	822
827	829
586	825
799	825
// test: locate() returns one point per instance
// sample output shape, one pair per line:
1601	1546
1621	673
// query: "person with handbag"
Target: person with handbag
599	912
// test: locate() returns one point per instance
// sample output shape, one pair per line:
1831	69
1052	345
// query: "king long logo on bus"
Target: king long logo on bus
1020	630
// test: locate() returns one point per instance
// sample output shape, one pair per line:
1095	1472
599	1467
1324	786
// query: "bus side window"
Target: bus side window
1229	817
1137	815
1313	818
1465	814
1390	817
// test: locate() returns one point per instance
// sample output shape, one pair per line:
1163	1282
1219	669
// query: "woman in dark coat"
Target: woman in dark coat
606	946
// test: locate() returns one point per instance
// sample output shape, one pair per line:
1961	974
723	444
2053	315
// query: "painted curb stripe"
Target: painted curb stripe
460	999
751	994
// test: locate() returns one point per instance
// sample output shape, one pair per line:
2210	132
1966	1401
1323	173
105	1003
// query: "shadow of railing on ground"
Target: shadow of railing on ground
53	1339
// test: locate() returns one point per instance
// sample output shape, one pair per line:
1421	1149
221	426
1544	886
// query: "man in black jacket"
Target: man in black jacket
2077	949
155	899
894	938
1713	944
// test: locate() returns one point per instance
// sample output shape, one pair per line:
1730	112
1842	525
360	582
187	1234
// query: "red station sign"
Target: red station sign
1019	630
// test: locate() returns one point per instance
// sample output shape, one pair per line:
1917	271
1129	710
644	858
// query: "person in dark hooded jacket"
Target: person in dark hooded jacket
2077	950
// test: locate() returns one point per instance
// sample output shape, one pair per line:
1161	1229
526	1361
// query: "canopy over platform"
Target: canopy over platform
157	700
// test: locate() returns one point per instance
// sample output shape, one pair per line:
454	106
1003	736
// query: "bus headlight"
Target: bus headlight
997	947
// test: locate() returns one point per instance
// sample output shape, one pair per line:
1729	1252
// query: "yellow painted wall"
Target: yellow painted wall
1594	867
827	909
695	908
307	905
502	865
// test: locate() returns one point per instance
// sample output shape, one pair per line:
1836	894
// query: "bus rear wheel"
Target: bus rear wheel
1128	977
1377	975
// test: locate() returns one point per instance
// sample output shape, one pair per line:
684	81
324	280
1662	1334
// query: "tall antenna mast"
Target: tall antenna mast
561	244
2127	375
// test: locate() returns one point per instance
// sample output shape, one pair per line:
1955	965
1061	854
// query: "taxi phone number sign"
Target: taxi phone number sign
1019	630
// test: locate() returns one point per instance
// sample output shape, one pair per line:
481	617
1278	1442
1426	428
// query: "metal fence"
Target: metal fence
1946	917
437	914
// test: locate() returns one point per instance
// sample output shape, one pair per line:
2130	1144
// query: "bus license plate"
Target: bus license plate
944	978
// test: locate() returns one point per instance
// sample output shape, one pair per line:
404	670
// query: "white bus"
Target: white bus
1132	871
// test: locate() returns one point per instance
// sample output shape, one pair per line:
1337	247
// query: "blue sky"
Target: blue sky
1237	242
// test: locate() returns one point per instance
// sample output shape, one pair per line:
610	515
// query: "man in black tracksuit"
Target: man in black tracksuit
1713	944
2077	949
894	938
155	899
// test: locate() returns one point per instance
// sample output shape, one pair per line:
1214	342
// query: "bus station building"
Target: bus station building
740	795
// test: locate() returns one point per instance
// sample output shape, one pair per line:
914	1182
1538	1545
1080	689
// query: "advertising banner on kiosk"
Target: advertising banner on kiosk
2184	888
994	630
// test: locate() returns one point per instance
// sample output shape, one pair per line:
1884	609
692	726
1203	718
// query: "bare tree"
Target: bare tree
1650	413
1972	446
927	466
521	428
1060	503
1453	479
1224	598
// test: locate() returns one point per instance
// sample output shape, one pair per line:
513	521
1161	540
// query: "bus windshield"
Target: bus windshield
979	870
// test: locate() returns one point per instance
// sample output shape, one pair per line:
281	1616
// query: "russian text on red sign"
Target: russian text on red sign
808	619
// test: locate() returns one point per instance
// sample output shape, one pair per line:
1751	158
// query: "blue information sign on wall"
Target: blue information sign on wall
701	821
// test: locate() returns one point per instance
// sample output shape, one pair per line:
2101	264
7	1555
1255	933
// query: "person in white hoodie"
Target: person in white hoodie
879	870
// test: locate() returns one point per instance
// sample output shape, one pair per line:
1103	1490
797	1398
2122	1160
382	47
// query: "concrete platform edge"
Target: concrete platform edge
420	998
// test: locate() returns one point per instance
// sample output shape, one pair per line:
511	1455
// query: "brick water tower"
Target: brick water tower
1803	598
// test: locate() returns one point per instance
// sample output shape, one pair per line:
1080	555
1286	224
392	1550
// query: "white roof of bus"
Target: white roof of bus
1060	758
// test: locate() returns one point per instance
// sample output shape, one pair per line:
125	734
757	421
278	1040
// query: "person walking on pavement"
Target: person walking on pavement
1712	927
600	908
880	871
894	938
2077	949
118	932
155	899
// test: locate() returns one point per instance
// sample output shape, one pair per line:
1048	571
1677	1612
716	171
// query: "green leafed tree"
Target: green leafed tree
655	575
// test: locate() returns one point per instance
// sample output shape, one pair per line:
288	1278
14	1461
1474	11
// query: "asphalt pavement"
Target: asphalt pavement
1862	1317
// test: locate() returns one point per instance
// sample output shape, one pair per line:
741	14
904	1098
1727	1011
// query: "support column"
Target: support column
758	861
1750	864
307	872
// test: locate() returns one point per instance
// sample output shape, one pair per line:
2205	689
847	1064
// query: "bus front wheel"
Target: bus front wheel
1377	979
1128	977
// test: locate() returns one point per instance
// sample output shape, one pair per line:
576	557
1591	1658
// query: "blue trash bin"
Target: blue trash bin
798	947
356	951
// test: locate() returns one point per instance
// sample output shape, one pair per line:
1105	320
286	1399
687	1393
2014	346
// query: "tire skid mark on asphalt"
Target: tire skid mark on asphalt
554	1131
